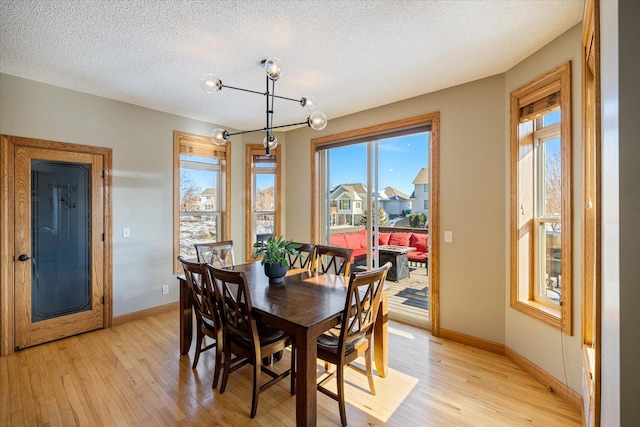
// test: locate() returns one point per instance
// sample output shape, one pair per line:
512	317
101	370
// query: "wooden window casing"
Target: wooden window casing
546	93
200	146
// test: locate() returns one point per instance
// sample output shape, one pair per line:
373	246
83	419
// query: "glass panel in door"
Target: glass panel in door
61	239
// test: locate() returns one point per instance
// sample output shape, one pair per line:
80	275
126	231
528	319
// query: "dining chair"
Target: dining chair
208	322
216	253
244	336
341	346
305	260
332	259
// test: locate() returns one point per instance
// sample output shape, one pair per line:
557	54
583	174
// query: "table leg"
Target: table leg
381	337
306	399
186	317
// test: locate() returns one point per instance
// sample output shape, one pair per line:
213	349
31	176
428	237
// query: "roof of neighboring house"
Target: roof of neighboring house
393	194
211	192
422	177
346	189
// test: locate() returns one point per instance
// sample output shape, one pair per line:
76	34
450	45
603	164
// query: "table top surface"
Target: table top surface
304	299
395	249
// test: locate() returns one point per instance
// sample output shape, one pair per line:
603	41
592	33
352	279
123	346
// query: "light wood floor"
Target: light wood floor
132	375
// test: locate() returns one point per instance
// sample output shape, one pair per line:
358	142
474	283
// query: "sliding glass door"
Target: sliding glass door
375	200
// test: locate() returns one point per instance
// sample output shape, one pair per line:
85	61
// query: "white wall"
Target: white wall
539	343
142	143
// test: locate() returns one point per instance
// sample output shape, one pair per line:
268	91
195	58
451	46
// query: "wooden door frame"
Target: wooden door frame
8	145
432	119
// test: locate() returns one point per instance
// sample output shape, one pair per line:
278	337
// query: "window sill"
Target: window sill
541	312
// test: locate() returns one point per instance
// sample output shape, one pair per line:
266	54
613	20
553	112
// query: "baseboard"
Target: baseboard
559	389
472	341
137	315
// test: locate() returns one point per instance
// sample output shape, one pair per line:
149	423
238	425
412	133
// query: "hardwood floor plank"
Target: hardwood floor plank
133	375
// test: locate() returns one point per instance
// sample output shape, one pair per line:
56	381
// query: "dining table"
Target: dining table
304	306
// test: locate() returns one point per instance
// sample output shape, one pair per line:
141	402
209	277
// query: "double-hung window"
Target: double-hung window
541	282
263	188
201	186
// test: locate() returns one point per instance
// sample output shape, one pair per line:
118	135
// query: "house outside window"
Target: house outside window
345	204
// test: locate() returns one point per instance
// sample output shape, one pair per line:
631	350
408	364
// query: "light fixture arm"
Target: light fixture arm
316	120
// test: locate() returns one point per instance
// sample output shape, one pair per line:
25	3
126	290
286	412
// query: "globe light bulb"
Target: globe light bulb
308	103
317	120
219	136
270	142
210	84
272	68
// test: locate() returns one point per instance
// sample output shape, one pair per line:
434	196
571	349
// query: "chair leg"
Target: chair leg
227	366
368	363
218	367
199	339
256	387
293	369
340	388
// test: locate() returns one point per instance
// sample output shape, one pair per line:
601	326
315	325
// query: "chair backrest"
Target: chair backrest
234	301
305	260
361	307
332	259
216	253
202	292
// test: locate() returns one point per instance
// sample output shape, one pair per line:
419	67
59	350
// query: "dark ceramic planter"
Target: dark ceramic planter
275	272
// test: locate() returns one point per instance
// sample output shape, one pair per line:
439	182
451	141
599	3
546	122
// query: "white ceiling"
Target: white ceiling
350	55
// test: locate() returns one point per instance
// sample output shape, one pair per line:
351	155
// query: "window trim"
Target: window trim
250	151
203	146
521	181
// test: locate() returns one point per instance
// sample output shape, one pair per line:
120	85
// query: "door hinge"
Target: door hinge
103	173
103	237
104	300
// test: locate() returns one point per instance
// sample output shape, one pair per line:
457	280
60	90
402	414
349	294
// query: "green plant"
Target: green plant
275	250
418	220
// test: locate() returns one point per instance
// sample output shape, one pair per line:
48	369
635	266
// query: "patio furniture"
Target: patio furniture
397	256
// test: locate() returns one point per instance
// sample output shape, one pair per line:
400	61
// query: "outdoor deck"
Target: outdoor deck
408	298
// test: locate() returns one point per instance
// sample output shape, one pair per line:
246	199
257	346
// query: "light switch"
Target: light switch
126	232
448	236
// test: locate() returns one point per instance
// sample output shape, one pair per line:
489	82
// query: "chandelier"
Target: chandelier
316	120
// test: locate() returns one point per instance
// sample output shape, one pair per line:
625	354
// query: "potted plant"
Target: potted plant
274	253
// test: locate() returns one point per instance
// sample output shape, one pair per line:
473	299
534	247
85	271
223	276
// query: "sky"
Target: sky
400	160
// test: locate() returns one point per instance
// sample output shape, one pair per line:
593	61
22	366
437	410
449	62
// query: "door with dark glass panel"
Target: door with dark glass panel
59	232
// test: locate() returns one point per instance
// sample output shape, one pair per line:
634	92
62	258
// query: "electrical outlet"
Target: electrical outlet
126	232
448	236
165	289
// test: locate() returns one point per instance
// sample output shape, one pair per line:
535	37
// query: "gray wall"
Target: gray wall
620	206
142	143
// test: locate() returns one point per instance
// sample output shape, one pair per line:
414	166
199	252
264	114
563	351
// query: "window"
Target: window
345	204
200	188
426	205
425	188
263	203
541	199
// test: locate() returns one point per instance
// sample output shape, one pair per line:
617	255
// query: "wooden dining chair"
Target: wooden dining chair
208	322
243	336
332	259
216	253
343	345
305	260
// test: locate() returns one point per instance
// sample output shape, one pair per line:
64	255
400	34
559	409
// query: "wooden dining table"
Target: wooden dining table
304	306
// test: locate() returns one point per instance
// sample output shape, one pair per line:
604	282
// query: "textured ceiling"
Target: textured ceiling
350	55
